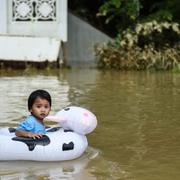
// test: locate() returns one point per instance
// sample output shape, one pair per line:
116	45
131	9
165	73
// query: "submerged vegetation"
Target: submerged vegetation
149	45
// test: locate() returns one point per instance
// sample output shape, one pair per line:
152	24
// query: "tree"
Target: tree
113	16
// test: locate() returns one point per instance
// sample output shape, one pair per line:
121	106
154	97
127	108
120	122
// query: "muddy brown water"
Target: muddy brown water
138	130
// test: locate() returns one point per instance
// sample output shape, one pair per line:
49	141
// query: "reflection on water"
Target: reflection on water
14	92
138	120
47	170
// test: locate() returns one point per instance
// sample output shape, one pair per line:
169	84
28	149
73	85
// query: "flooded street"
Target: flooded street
138	132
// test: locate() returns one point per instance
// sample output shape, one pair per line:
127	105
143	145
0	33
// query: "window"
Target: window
34	10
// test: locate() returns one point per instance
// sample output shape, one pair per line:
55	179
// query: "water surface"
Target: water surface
137	136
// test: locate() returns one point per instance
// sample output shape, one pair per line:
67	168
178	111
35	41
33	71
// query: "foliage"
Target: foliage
150	45
122	13
113	8
150	41
111	16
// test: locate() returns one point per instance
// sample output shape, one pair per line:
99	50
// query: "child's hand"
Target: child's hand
34	135
28	134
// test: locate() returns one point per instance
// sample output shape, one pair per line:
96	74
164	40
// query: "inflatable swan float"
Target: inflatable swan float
59	144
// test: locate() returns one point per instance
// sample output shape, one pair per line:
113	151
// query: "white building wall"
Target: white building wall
29	49
32	30
3	17
56	28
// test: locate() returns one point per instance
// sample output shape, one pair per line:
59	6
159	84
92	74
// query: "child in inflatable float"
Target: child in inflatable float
39	105
58	144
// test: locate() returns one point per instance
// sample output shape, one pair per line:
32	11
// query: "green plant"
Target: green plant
150	45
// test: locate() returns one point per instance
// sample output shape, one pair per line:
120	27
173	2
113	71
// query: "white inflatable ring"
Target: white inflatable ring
59	145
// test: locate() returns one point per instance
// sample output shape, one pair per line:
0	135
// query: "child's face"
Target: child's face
40	108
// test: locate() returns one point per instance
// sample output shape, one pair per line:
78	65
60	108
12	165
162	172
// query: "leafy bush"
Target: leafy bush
150	45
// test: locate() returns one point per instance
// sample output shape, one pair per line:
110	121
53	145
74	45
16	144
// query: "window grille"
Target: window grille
33	10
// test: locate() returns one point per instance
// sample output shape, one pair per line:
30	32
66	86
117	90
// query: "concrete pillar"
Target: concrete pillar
3	16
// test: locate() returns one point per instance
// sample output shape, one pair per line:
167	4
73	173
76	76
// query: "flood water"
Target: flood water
138	132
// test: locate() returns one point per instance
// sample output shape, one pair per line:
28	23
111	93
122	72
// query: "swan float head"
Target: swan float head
75	118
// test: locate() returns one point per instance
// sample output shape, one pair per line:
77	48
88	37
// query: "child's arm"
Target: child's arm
27	134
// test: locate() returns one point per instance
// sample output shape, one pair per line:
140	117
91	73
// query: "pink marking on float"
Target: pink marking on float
86	114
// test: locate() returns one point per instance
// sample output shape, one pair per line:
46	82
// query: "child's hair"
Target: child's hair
38	93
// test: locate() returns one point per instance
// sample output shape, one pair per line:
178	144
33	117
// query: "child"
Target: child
39	105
